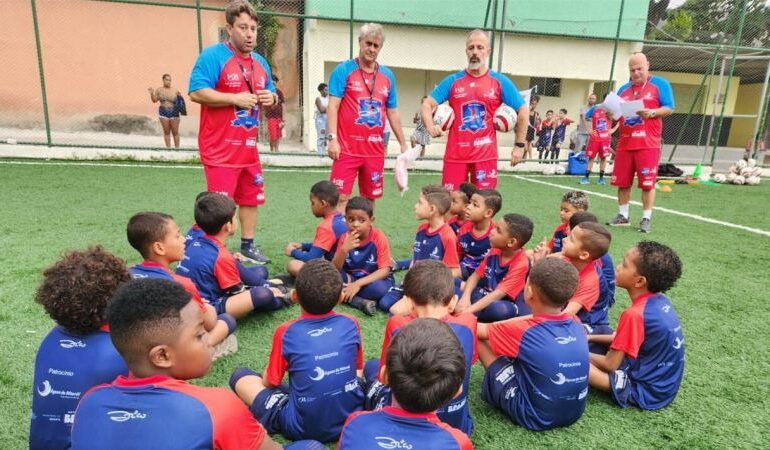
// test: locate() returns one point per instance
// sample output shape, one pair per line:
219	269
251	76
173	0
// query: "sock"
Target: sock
601	174
623	210
647	214
588	173
247	243
229	320
238	374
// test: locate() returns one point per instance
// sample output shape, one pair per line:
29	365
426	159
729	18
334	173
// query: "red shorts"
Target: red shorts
643	162
602	147
274	129
245	185
368	170
483	174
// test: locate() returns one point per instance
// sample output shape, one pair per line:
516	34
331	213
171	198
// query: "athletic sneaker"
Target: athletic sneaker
254	254
585	180
284	278
619	221
601	182
226	347
369	307
645	225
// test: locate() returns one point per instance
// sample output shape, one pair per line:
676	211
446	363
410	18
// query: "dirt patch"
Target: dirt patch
123	123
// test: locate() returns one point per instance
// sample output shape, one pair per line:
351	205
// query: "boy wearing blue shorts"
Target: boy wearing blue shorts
495	291
537	366
473	236
77	353
424	368
363	257
322	353
645	362
211	266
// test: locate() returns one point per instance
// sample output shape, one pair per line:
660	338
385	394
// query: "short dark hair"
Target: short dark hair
555	279
580	217
519	227
492	199
318	286
322	86
437	196
596	239
535	98
549	111
659	264
143	313
429	281
360	204
165	75
563	110
468	189
75	290
578	199
425	365
237	7
146	228
327	191
213	211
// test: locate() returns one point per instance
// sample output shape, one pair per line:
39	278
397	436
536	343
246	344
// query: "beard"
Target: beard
475	65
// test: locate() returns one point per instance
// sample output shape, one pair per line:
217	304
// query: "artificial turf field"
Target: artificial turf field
722	298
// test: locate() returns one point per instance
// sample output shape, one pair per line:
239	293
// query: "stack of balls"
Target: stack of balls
742	172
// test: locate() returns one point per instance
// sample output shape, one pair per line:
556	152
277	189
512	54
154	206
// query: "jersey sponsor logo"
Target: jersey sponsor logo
319	373
45	389
352	385
281	397
570	364
678	342
389	443
231	77
473	115
632	122
620	380
369	112
491	94
374	138
457	406
370	260
246	118
384	91
69	418
665	308
135	275
505	375
124	416
259	180
564	340
68	343
601	125
339	182
481	175
482	141
583	394
326	356
510	393
434	254
251	142
319	331
305	399
64	373
560	379
376	177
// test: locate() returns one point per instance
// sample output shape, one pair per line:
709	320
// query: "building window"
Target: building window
549	87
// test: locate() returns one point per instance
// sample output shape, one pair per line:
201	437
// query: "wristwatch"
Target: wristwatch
653	113
520	145
331	136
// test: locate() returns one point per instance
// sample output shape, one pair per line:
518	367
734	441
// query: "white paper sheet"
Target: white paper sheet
629	109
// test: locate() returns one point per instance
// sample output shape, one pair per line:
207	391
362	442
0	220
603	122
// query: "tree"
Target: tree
717	21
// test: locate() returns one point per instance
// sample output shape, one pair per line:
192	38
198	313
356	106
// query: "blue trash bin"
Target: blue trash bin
576	163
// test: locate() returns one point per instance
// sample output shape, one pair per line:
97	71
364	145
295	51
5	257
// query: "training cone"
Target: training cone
665	188
697	172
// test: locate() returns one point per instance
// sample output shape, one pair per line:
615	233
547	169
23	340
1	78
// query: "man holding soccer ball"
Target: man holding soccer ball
474	94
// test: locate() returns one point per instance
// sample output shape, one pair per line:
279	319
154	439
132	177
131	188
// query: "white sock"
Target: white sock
623	210
647	214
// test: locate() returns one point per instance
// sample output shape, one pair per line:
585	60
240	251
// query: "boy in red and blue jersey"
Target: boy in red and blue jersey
571	202
157	238
495	291
324	197
537	366
599	142
363	257
473	237
322	353
545	135
158	329
424	367
645	363
559	133
77	353
428	286
211	266
434	240
461	197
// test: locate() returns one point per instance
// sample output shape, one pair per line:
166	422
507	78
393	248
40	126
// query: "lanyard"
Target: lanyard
243	69
639	92
374	78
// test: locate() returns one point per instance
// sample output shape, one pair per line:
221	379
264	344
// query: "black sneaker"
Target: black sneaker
619	221
284	278
645	225
369	307
254	254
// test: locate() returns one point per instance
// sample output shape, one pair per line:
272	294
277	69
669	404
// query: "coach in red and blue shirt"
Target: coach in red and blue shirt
231	82
362	96
475	94
640	139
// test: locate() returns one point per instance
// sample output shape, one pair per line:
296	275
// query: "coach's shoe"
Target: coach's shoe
254	254
619	221
645	225
585	180
601	182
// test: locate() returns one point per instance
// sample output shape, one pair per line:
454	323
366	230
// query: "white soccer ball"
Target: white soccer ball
504	119
731	177
444	116
720	178
752	181
739	180
756	172
561	170
747	172
741	164
549	170
734	170
751	162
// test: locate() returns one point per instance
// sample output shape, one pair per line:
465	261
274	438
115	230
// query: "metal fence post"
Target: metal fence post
42	75
492	34
615	48
350	31
200	31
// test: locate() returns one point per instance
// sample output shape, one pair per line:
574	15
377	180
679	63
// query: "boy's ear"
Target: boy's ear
459	391
453	304
410	303
384	374
529	292
295	298
641	282
339	300
158	248
488	213
161	356
584	255
512	242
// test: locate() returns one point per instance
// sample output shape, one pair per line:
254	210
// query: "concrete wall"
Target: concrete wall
748	97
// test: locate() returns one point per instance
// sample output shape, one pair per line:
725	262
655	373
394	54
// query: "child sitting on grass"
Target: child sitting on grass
473	236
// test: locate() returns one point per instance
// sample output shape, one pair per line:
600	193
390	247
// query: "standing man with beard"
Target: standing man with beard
362	95
475	94
231	82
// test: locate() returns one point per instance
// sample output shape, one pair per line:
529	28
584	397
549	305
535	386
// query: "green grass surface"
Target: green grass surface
722	298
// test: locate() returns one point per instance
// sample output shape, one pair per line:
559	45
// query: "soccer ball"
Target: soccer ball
734	169
739	180
741	164
747	172
560	170
549	170
444	116
752	181
756	171
731	177
720	178
504	119
751	162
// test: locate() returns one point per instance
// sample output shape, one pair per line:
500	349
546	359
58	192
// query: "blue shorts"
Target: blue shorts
622	389
499	386
267	407
377	394
168	112
219	306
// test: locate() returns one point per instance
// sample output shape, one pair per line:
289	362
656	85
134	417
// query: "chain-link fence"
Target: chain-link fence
83	73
